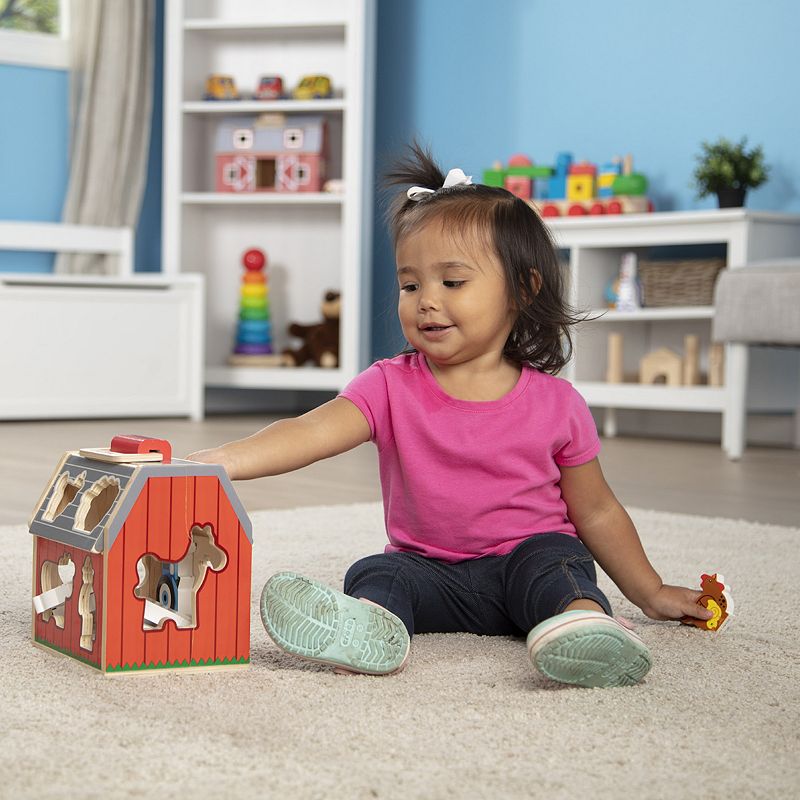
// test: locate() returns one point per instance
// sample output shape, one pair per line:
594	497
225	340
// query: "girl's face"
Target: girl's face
453	303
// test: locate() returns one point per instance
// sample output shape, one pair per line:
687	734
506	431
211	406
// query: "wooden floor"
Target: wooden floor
693	478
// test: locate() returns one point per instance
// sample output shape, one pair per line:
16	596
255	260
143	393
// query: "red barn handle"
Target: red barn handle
132	443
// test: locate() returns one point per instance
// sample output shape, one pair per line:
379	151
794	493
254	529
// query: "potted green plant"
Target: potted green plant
728	170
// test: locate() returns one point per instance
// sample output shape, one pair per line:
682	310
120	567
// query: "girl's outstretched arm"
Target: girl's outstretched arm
288	444
608	532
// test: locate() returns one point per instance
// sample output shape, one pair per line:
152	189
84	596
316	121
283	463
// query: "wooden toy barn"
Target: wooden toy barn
271	154
141	562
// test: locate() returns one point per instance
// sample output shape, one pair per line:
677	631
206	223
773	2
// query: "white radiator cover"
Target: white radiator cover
77	346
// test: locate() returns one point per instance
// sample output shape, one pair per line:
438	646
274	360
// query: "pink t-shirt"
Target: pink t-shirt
464	479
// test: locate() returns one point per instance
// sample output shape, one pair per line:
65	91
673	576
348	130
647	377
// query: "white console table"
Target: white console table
101	346
124	345
596	245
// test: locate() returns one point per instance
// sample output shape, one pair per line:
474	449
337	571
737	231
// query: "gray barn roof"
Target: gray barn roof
132	478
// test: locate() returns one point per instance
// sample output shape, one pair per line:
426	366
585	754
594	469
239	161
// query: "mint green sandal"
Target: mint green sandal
588	648
311	620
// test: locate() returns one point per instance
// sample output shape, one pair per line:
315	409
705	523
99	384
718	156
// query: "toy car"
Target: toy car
270	87
221	87
313	87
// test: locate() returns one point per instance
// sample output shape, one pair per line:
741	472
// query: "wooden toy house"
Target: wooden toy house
271	153
141	562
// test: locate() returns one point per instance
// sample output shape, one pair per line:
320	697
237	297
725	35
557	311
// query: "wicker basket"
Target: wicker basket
688	282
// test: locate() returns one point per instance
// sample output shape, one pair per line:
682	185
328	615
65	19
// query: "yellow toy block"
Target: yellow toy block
606	180
580	187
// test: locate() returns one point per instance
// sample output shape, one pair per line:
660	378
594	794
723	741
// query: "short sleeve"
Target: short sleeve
582	442
369	392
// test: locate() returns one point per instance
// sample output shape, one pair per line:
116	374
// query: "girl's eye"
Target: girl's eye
409	287
453	284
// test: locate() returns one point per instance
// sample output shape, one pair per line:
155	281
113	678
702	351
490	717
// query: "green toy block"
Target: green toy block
494	177
533	171
633	184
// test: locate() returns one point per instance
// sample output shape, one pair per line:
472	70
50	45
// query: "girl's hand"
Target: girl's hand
216	455
675	602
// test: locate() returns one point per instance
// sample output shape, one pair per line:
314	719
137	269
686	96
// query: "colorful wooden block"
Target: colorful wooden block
519	185
583	168
580	186
557	187
605	179
634	184
494	177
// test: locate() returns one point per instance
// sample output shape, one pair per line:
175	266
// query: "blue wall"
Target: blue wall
598	79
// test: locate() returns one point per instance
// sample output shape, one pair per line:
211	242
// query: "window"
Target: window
34	33
243	139
293	138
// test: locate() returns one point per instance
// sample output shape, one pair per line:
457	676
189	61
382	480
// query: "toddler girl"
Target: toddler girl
495	504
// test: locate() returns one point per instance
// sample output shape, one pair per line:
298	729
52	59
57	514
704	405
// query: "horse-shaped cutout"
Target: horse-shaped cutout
169	588
87	606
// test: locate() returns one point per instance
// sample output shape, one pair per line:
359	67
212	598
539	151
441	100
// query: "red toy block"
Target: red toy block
583	168
133	443
519	186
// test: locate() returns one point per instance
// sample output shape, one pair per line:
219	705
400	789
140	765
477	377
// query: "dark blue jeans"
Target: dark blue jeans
495	595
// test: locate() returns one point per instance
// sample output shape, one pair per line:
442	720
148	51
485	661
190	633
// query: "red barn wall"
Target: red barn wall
160	522
68	638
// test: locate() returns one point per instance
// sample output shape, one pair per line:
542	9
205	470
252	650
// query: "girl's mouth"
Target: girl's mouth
435	332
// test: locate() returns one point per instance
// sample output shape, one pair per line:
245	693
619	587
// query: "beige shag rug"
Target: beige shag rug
718	716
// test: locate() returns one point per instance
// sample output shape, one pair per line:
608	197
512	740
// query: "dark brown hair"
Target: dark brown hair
541	334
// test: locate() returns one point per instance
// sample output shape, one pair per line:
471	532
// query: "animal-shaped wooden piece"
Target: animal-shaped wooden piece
716	598
56	579
87	606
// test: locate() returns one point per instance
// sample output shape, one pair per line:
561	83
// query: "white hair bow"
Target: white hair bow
455	177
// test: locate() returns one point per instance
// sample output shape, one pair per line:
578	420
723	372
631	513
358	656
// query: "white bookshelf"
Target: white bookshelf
313	241
233	107
596	245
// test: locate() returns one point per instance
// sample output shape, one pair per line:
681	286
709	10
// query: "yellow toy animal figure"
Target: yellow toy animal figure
716	598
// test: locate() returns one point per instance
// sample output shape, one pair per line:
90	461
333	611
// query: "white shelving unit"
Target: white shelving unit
313	241
596	245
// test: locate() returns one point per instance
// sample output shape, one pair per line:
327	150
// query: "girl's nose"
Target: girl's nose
427	298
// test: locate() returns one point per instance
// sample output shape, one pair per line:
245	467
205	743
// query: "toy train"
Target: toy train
573	189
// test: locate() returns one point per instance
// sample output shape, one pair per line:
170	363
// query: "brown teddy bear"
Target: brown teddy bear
320	341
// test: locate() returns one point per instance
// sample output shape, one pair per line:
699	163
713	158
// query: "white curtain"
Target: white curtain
112	44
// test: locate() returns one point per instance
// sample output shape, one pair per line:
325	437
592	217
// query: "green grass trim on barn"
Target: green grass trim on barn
207	662
67	653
